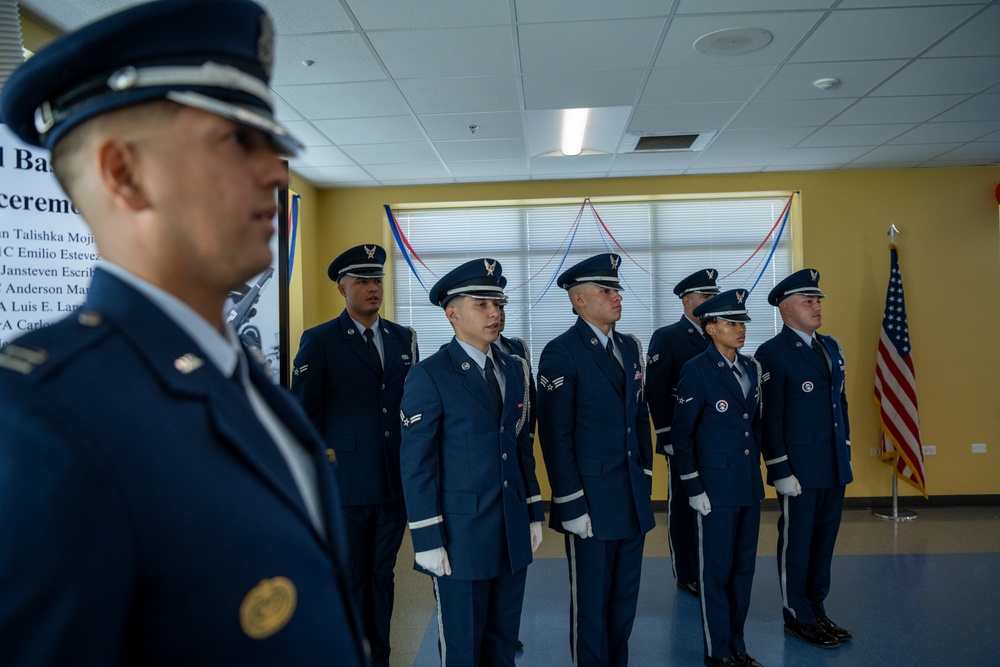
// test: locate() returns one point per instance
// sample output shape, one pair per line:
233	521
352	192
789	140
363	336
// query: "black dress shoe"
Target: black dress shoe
719	662
689	587
832	628
743	659
812	634
519	646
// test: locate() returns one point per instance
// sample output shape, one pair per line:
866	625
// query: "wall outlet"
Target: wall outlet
979	448
876	451
930	450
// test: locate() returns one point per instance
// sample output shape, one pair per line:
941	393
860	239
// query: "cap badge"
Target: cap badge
489	267
187	363
370	252
267	608
722	406
812	275
265	44
614	261
710	273
740	295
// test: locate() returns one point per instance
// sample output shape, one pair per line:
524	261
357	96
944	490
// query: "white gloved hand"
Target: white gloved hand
788	486
580	526
701	504
536	535
434	561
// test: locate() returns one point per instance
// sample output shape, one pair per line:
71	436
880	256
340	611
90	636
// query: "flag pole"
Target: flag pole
897	514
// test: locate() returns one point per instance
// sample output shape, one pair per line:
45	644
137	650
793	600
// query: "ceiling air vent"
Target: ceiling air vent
636	143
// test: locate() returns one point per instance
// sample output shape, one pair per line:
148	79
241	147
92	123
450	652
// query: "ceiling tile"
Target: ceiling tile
336	58
481	149
331	175
448	127
939	133
344	100
513	169
295	18
875	110
676	118
588	45
306	133
414	171
737	159
558	10
577	164
795	81
874	34
854	135
388	14
944	76
703	85
378	130
787	28
461	94
321	156
371	154
759	139
980	107
652	162
978	37
446	53
981	152
834	156
740	6
789	113
915	153
581	89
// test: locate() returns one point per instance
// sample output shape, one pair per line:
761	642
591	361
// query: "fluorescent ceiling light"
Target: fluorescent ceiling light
574	125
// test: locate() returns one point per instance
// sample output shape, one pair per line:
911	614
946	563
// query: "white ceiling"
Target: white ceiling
396	84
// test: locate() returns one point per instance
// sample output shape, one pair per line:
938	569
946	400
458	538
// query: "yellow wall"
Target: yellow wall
949	250
949	243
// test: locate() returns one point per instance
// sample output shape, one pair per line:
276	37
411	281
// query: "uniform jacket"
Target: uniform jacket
145	509
806	428
468	473
355	411
716	431
596	441
670	348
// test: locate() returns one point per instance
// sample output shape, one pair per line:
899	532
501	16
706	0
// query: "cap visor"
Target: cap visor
283	142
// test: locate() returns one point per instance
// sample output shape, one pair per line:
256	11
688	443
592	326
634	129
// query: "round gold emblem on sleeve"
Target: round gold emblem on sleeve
267	608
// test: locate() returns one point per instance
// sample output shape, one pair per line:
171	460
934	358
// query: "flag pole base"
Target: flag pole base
896	515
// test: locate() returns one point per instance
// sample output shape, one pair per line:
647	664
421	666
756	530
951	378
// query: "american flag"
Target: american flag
896	387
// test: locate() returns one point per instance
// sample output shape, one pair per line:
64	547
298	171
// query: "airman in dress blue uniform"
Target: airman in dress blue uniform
670	348
593	424
349	375
716	438
163	502
473	503
807	451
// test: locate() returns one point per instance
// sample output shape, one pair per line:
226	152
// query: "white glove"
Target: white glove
434	561
788	486
580	526
536	535
701	504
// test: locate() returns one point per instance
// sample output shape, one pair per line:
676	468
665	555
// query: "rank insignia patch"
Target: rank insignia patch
551	385
411	420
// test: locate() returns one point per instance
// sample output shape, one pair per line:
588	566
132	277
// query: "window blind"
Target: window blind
661	242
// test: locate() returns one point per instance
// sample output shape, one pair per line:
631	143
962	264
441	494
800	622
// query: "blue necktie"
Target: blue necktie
491	380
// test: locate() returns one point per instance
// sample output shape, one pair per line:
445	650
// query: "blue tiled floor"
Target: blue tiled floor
910	609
